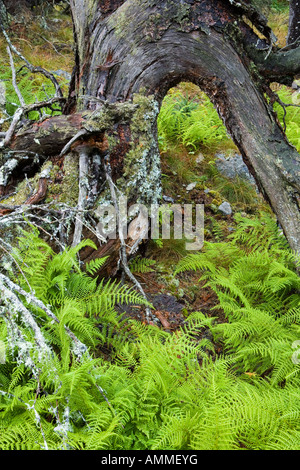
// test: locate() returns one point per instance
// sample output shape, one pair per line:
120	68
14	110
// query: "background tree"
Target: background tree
294	22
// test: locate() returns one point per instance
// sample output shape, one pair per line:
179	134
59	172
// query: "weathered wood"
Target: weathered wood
40	194
83	152
48	137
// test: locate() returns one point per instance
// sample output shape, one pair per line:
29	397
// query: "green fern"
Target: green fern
32	87
141	265
259	293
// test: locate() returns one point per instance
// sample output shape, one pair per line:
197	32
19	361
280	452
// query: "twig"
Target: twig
275	98
76	137
51	44
15	261
25	110
40	194
9	297
284	106
30	408
9	134
291	45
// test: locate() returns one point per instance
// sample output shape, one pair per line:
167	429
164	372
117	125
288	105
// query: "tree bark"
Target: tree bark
147	47
132	52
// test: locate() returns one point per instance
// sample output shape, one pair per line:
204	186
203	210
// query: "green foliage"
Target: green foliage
279	5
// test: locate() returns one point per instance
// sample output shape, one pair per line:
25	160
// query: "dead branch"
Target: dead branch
20	112
5	172
67	147
80	348
274	98
8	296
32	68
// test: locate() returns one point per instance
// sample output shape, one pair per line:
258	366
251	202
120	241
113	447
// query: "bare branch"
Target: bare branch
67	147
14	81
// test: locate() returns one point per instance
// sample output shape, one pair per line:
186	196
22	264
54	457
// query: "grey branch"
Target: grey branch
14	78
24	109
76	137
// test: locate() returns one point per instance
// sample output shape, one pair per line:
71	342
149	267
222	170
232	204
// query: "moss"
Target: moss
183	12
66	191
112	141
216	202
22	193
121	19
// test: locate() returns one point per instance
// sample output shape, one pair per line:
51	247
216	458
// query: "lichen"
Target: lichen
6	170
